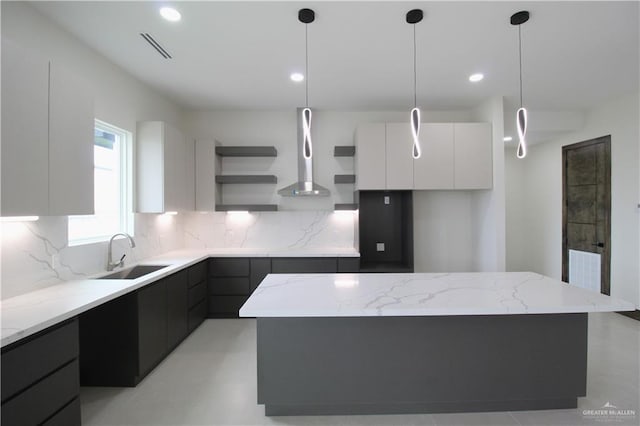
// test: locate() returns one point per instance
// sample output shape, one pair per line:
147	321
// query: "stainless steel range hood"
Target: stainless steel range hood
305	186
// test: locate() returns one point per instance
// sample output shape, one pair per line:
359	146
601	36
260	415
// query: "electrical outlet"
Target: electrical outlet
379	246
387	200
55	261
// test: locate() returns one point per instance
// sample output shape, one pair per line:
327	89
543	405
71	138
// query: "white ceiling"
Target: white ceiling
238	55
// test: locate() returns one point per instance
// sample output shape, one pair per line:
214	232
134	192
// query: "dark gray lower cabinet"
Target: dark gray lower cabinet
232	280
122	340
152	325
177	308
197	295
40	378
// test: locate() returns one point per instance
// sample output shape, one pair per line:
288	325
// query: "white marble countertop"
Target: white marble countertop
32	312
357	295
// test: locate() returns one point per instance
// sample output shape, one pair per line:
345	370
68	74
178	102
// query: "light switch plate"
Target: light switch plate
379	246
387	200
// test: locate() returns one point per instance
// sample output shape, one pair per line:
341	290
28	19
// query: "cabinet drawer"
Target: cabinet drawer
349	264
68	416
197	314
304	265
231	267
235	286
28	362
40	401
197	294
226	304
197	273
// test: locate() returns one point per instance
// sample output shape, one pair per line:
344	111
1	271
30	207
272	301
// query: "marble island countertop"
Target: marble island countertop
32	312
421	294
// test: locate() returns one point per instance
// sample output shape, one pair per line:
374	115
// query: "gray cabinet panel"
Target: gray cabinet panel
231	267
40	401
152	325
176	308
229	305
25	364
349	264
260	268
197	273
197	314
289	265
229	285
197	294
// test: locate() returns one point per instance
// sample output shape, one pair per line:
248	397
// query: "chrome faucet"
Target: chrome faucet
110	265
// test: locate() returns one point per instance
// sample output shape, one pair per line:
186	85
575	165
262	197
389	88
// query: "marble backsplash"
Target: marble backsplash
29	248
284	230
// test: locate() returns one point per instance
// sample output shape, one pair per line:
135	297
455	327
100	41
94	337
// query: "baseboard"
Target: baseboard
632	314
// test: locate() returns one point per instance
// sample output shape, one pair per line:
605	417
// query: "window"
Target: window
112	188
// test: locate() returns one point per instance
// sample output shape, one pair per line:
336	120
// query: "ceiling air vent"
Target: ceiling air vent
155	45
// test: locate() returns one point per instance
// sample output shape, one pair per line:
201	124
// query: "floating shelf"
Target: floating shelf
247	207
246	179
246	151
344	179
344	151
350	206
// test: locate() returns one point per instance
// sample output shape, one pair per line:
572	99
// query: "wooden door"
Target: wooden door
586	197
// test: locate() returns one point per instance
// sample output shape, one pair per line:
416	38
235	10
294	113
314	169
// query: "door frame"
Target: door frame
605	272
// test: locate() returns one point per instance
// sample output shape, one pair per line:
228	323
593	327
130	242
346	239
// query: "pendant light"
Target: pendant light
413	17
306	16
521	115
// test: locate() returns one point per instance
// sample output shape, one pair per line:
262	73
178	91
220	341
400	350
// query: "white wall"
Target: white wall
516	211
120	100
540	244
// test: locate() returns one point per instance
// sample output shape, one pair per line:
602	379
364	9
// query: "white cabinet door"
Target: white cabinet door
173	169
434	168
370	156
205	159
163	174
25	85
473	156
71	134
399	159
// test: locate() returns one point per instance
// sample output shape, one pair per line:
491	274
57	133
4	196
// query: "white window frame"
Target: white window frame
126	186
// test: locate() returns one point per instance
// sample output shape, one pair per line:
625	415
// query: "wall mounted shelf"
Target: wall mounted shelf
344	151
345	206
246	179
247	207
344	179
246	151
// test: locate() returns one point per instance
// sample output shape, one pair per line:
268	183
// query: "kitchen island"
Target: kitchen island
421	343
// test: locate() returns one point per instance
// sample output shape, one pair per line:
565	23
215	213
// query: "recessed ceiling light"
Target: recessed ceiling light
508	139
170	14
474	78
297	77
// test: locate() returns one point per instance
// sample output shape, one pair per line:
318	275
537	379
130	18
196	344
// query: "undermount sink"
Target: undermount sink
132	272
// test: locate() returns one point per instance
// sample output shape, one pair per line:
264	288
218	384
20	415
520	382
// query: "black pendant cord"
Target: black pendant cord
415	78
520	55
306	65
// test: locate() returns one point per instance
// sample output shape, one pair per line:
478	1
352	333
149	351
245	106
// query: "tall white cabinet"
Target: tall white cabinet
454	156
47	137
164	172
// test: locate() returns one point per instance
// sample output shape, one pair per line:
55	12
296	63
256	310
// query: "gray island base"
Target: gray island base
420	364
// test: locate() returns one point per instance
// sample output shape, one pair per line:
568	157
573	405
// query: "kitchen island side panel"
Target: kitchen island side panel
368	365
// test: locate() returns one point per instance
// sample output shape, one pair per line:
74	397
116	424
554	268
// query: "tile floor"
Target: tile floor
210	379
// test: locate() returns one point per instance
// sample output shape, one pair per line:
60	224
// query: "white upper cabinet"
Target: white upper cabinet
454	156
164	178
370	156
473	156
434	168
206	163
399	158
71	134
47	137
